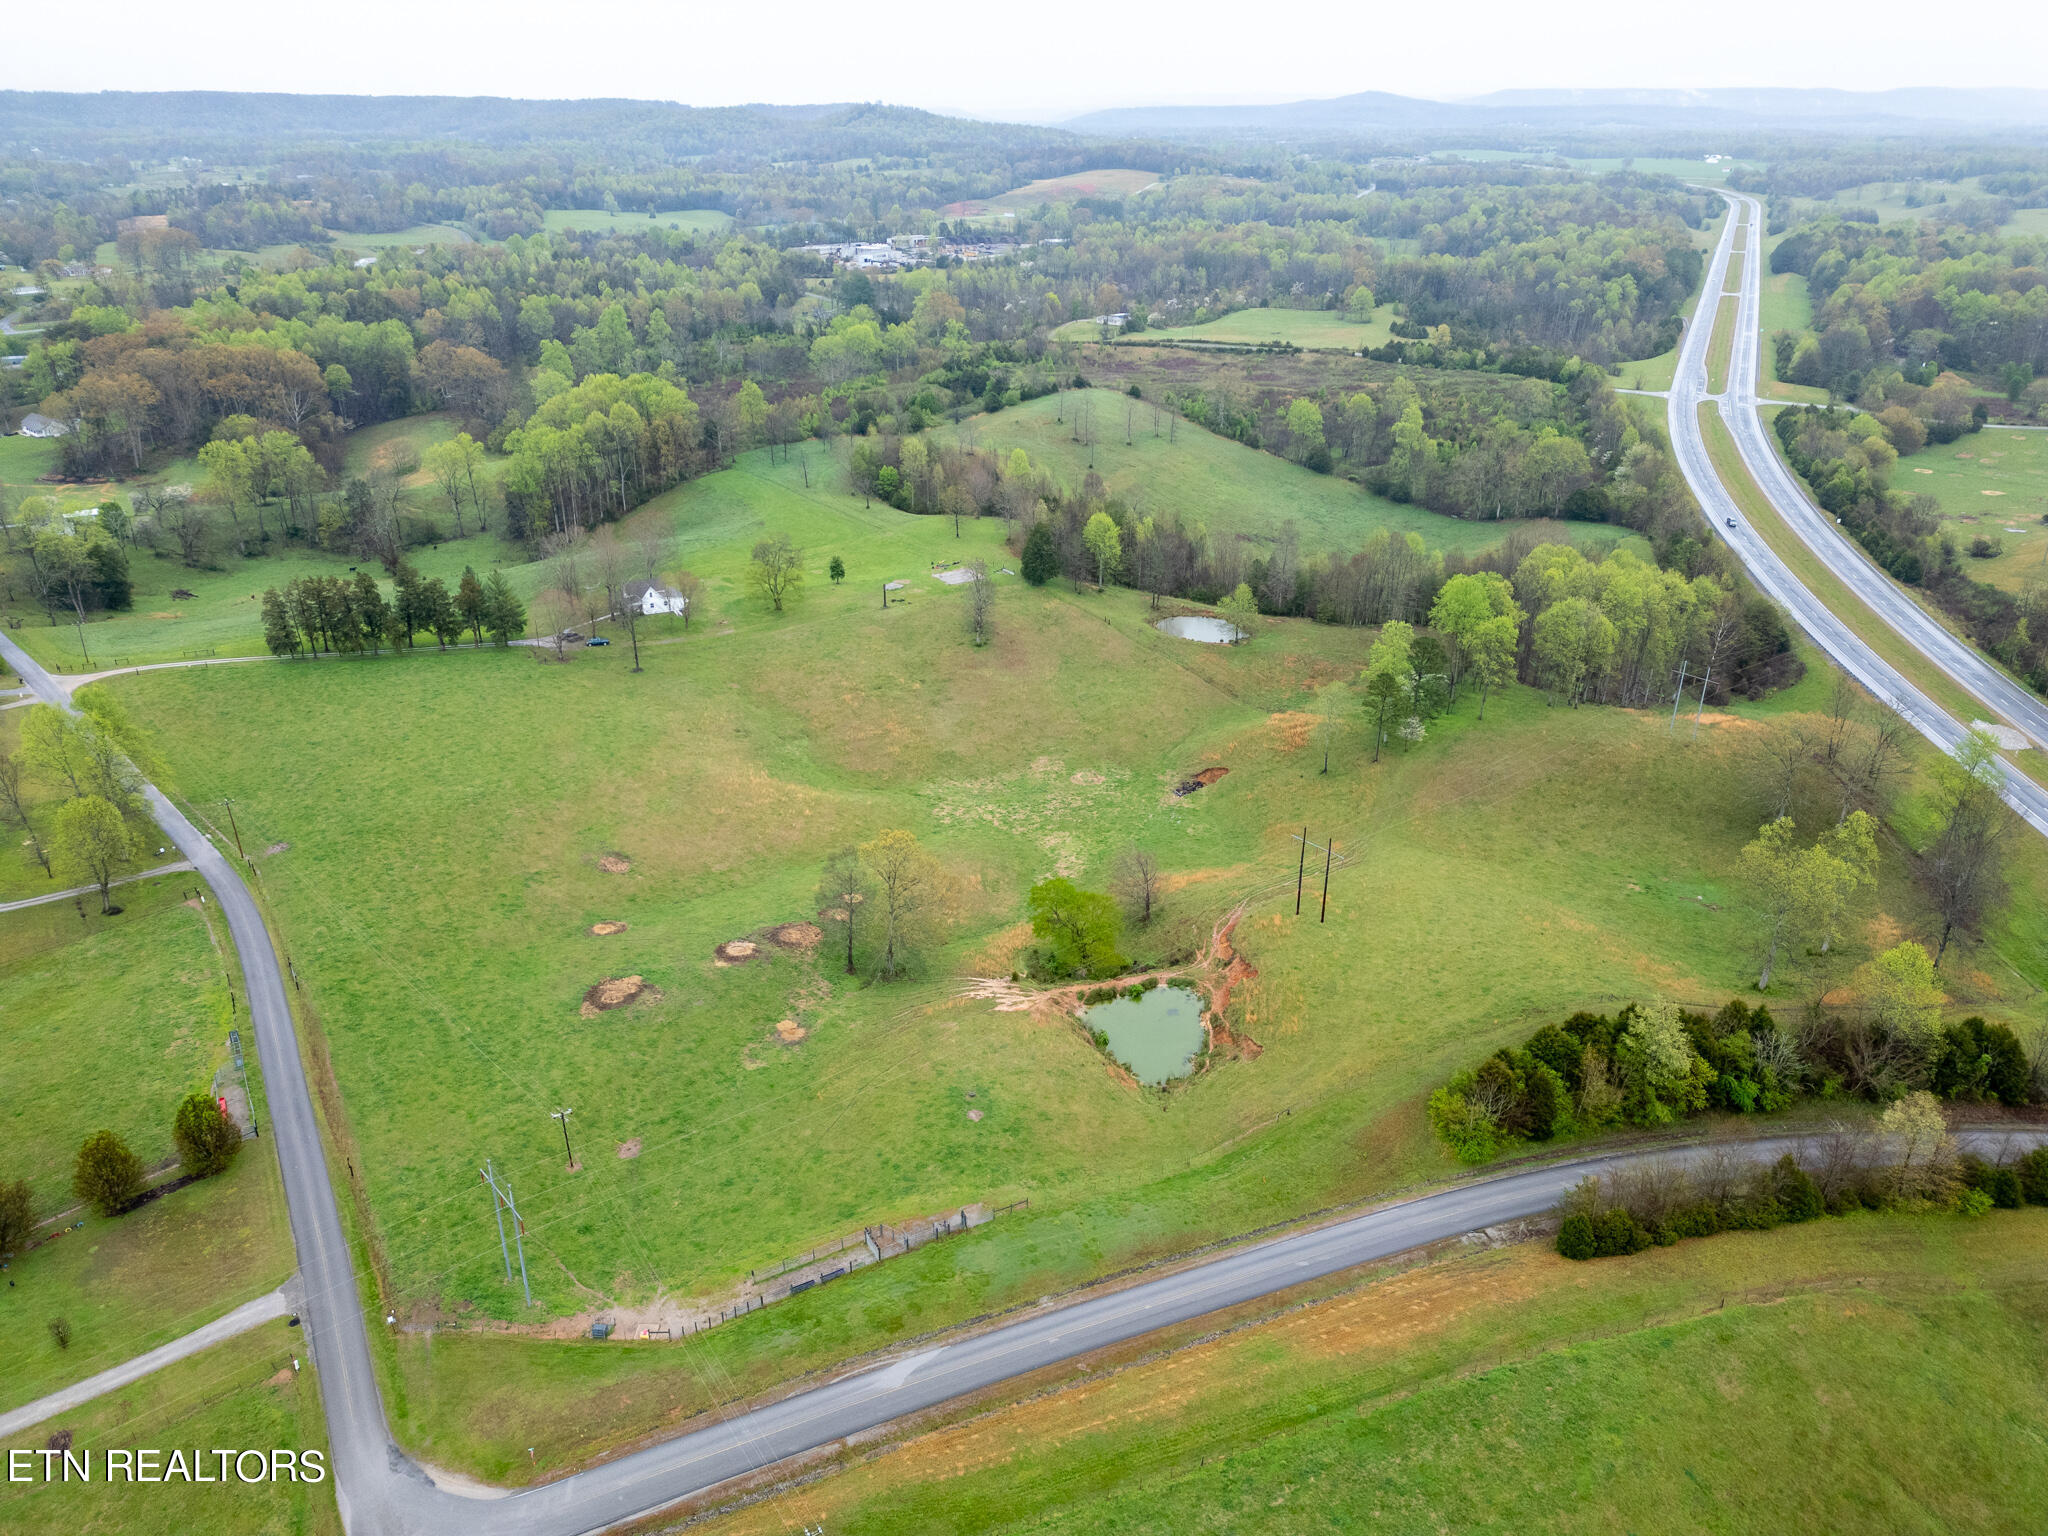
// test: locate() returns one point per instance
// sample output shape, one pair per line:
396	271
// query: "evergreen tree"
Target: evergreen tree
279	633
1041	556
505	615
471	603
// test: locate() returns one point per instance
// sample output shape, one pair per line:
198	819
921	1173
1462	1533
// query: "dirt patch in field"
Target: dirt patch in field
1201	780
798	936
1234	970
282	1378
628	1150
605	929
789	1031
1292	729
735	952
616	992
275	849
614	863
167	615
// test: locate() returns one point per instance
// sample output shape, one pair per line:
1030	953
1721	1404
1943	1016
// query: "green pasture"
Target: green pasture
597	221
1888	200
243	1394
416	234
1812	1378
1307	328
1786	307
1658	372
111	1021
445	822
1991	484
25	460
1226	486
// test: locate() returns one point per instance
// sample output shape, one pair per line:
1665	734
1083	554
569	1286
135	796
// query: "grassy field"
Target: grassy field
25	460
597	221
145	987
1307	328
1112	182
439	891
1228	487
111	1020
417	234
223	617
1803	1379
1991	484
243	1394
1888	200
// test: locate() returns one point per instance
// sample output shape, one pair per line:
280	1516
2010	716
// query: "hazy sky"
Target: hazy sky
1038	62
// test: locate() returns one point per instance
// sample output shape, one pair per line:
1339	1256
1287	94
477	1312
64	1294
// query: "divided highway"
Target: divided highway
1775	579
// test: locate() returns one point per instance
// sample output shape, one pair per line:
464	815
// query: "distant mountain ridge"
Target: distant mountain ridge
1507	112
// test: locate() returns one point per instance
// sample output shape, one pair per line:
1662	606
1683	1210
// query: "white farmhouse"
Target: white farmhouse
36	424
650	598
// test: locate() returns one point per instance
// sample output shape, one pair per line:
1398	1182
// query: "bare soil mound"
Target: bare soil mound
736	951
789	1031
628	1150
1201	780
803	936
616	992
614	863
605	929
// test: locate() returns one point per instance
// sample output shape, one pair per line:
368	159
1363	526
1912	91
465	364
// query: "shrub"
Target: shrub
1575	1238
107	1175
1973	1202
1546	1099
1797	1194
2033	1176
207	1139
1464	1127
2004	1189
60	1331
1618	1232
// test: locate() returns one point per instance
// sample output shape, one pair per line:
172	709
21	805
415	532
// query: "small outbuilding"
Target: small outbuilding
649	598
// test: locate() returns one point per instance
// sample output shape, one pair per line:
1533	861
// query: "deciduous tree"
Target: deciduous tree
1079	927
777	571
107	1174
90	841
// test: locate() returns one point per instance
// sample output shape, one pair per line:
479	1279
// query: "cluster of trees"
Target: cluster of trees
885	904
1080	932
92	764
591	452
1894	302
1654	1063
1908	1159
318	614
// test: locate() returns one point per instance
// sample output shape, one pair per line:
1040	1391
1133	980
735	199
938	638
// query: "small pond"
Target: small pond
1156	1035
1195	626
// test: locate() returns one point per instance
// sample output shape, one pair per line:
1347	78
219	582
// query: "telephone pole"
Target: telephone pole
563	1116
1702	704
237	830
1329	853
1300	869
1677	694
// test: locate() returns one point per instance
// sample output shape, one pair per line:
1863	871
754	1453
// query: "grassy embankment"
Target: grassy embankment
439	891
1720	345
597	221
1802	1379
112	1020
1229	488
1786	307
243	1394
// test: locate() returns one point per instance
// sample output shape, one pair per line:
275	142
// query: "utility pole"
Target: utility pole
563	1116
1300	869
1677	694
1329	853
504	1192
497	1210
237	829
1702	704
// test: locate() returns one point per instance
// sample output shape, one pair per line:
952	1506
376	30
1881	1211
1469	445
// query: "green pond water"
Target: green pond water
1156	1035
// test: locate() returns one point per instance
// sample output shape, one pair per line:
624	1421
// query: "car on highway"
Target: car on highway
1731	522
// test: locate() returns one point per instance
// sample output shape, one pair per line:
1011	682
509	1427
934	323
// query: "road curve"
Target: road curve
384	1494
1770	574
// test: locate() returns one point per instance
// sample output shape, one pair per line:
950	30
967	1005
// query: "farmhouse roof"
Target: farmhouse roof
637	590
36	424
